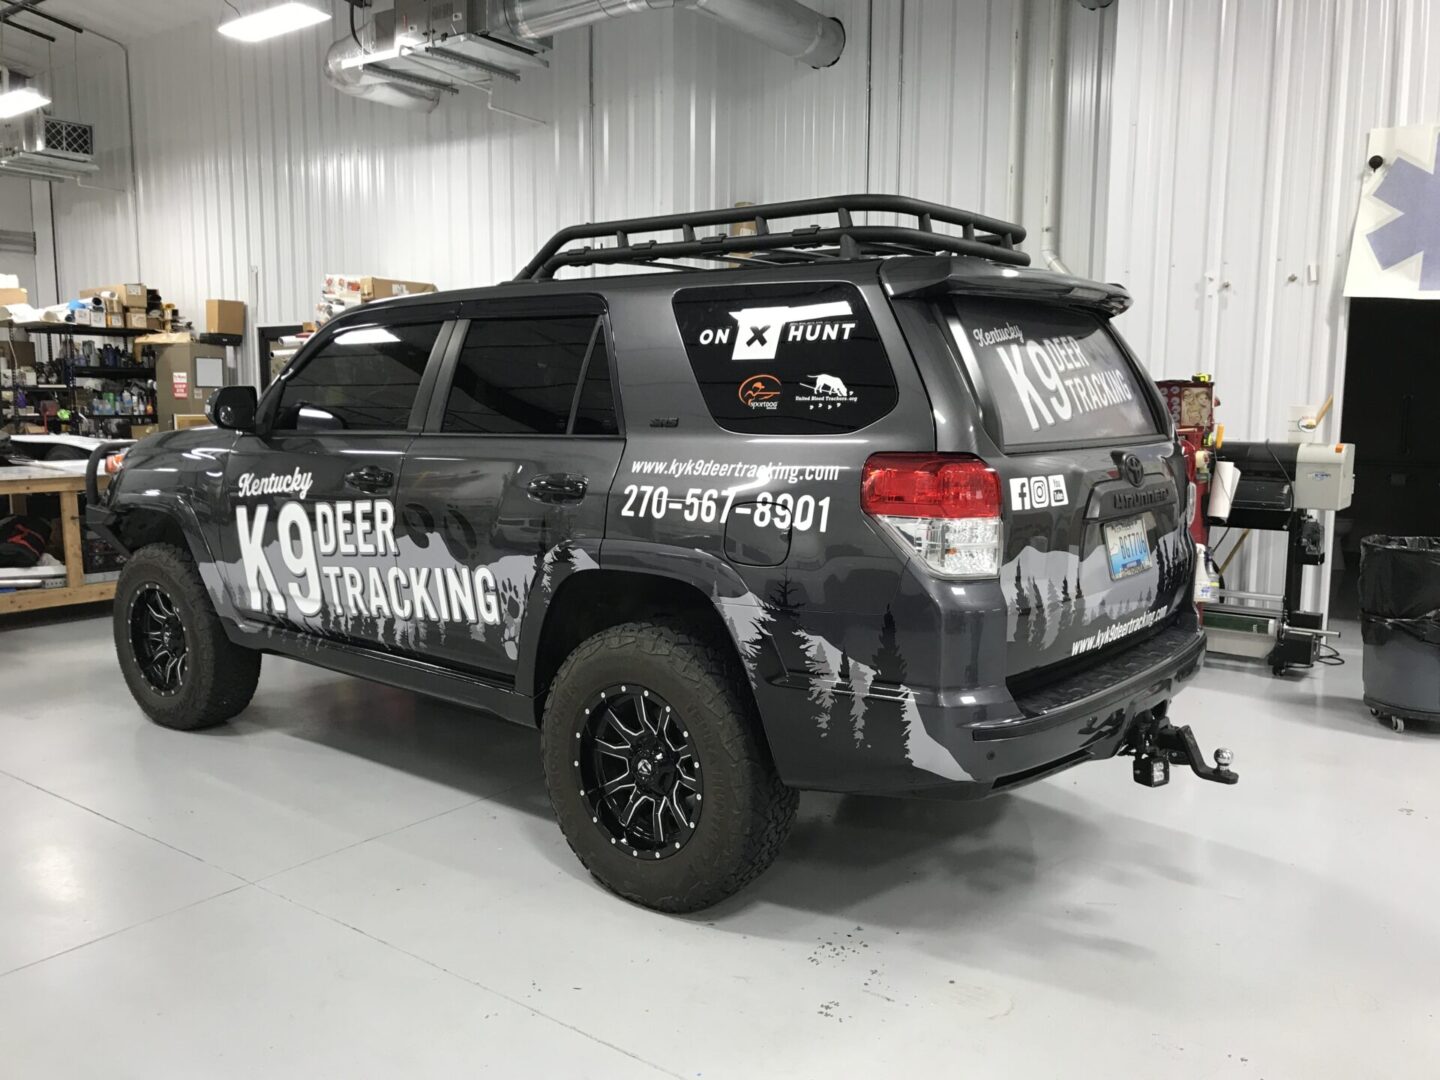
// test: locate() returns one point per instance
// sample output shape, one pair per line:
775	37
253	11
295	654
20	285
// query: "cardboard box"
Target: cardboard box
138	320
112	305
225	317
13	296
379	288
115	321
131	295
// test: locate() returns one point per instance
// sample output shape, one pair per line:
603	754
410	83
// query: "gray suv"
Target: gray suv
852	507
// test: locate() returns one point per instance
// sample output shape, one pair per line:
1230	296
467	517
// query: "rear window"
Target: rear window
786	359
1053	376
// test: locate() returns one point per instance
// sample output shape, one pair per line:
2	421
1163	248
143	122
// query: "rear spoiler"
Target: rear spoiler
920	277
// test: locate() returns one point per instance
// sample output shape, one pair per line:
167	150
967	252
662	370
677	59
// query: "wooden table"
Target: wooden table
37	480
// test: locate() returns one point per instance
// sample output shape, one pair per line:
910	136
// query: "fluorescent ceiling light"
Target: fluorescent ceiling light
25	99
273	21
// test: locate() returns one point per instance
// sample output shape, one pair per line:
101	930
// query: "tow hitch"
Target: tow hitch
1158	745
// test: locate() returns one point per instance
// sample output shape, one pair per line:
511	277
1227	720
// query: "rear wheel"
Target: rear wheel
180	667
660	780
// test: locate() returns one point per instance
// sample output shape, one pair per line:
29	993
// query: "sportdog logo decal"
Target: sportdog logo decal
761	392
340	558
759	331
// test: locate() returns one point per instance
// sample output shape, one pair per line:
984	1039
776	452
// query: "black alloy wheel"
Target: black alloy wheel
158	638
640	772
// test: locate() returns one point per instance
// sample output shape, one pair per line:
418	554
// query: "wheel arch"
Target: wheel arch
172	521
588	602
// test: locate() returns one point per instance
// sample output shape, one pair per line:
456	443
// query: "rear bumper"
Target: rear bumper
964	745
1087	717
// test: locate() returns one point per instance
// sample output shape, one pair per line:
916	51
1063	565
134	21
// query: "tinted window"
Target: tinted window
518	376
595	412
786	359
1053	375
363	379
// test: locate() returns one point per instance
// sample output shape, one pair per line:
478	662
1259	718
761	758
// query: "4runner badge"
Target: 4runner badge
1038	492
760	392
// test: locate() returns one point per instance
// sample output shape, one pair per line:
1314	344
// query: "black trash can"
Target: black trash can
1400	625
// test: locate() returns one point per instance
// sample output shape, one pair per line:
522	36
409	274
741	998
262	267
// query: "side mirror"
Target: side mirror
233	408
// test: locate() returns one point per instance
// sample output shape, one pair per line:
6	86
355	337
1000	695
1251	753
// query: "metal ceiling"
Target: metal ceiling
126	21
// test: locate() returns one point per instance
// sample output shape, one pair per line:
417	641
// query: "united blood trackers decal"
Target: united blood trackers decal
338	553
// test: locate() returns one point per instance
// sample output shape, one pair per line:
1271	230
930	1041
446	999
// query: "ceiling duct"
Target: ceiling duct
412	56
787	26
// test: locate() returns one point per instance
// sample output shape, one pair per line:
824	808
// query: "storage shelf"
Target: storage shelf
118	373
78	330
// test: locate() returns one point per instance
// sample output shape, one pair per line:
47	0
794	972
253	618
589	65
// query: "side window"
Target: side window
519	377
595	411
786	359
363	379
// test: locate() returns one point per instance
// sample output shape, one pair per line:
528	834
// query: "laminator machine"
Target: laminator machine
1274	486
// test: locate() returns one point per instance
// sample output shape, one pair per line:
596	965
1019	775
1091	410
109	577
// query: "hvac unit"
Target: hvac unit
45	148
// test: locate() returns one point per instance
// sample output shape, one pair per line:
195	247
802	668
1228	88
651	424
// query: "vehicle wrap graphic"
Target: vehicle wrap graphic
854	703
335	553
1054	374
1059	601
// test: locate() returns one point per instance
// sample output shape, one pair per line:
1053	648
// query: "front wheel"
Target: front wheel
660	779
180	667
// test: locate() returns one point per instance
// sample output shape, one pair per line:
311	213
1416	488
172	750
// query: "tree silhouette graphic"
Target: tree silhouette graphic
885	724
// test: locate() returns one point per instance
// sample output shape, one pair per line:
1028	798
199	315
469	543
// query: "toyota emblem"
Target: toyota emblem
1132	469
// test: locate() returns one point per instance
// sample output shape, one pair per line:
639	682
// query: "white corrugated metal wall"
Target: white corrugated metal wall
1237	155
255	177
1213	153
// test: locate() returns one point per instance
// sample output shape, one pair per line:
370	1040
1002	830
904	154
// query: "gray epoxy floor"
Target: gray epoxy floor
352	881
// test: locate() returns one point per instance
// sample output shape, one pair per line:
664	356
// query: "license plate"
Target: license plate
1128	547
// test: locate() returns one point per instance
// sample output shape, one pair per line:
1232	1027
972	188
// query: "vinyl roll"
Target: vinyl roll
1222	490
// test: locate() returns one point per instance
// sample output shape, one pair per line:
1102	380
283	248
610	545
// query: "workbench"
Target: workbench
17	483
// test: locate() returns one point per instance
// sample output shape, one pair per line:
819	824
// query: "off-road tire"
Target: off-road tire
221	676
747	811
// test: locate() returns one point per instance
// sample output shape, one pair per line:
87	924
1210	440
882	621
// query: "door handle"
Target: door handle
370	478
557	488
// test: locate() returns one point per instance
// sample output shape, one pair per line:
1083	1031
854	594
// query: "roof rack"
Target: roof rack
984	237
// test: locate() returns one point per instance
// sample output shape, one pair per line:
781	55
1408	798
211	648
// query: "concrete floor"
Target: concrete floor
352	881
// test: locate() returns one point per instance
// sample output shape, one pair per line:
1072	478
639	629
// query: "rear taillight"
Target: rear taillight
943	507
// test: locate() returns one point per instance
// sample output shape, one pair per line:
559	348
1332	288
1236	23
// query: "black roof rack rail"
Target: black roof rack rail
981	236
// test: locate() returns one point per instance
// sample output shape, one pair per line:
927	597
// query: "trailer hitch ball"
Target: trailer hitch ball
1224	758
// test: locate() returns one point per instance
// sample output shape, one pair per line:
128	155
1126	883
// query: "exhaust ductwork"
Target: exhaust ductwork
787	26
368	82
410	56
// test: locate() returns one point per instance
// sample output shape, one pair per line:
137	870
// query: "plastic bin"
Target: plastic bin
1400	626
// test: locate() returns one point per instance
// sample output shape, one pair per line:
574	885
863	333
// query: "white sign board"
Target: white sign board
1396	249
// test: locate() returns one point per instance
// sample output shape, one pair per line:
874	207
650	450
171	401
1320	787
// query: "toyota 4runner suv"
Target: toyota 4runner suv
862	508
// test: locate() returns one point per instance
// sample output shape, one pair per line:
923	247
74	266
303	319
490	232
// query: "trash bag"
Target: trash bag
23	539
1400	588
